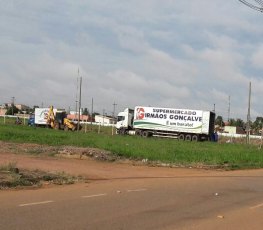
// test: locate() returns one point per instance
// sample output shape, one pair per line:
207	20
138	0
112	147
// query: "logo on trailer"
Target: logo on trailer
140	113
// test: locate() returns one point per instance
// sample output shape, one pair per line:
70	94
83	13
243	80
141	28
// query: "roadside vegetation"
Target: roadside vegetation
163	151
13	177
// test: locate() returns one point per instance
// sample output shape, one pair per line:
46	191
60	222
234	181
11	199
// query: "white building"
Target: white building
104	120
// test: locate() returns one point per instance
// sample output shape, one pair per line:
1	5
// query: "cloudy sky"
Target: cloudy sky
169	53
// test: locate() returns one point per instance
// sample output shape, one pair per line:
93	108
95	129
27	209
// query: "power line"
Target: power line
258	7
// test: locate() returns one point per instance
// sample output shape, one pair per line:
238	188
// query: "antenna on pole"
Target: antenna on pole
256	5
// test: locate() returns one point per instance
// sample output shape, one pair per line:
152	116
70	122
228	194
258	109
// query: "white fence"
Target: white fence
239	135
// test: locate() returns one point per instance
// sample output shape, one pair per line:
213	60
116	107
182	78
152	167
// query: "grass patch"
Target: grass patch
227	155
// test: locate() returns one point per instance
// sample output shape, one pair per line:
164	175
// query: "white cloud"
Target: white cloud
190	54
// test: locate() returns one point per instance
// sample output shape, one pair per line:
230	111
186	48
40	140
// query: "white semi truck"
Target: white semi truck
184	124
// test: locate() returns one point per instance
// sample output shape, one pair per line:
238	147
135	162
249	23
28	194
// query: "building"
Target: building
4	108
104	120
75	117
234	130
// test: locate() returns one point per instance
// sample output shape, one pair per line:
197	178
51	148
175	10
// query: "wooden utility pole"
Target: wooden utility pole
80	83
228	112
12	105
91	112
113	117
76	101
248	116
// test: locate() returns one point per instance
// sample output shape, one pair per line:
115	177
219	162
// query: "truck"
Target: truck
182	124
39	118
51	117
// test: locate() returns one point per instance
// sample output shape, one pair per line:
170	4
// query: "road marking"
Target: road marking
96	195
137	190
36	203
257	206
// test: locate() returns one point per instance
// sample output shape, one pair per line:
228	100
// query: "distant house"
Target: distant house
104	120
19	106
234	130
76	117
3	109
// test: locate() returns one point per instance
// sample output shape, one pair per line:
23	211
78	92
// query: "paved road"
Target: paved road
199	200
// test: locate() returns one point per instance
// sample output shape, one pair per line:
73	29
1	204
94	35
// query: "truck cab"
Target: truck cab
124	121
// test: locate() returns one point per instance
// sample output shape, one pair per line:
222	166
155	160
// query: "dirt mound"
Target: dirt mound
62	151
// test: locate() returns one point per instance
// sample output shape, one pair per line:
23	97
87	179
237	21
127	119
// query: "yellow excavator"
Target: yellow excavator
59	120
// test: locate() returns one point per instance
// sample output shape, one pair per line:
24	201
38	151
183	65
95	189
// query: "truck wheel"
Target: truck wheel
56	126
145	134
188	137
138	132
122	131
195	138
181	137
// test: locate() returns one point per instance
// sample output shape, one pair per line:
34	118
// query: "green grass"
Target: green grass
163	150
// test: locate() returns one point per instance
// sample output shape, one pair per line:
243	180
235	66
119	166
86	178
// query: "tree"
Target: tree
232	122
12	110
257	124
240	123
219	121
85	111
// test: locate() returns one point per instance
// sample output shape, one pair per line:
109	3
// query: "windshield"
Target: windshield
121	118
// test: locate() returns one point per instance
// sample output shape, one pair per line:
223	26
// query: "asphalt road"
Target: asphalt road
206	200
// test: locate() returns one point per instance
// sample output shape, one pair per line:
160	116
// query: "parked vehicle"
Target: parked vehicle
18	121
57	119
183	124
51	117
31	120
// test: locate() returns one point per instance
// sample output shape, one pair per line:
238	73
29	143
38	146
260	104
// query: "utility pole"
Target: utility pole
248	116
114	106
76	101
80	83
113	116
228	109
12	105
91	112
103	117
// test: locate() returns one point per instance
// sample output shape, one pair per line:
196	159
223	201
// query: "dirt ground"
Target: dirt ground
88	163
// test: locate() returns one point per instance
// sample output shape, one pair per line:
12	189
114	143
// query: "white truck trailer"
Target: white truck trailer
41	116
184	124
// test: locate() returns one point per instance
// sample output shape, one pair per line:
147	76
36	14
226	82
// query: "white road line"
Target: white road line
96	195
137	190
257	206
36	203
